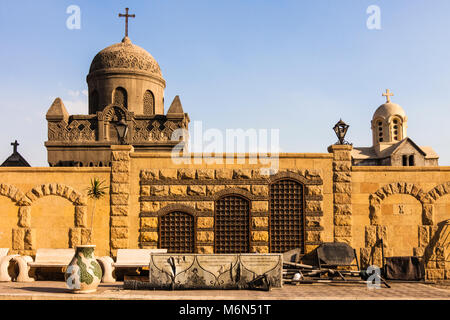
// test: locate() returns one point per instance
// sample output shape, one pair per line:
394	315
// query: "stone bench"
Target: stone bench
5	259
45	258
126	258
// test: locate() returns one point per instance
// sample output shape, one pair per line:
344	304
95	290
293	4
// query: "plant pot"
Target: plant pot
83	274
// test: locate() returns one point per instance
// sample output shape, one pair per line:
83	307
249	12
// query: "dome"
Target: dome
387	110
125	55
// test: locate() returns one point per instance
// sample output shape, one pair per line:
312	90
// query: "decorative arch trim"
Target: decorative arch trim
313	178
177	208
233	192
54	189
398	188
11	192
376	198
438	192
110	111
396	117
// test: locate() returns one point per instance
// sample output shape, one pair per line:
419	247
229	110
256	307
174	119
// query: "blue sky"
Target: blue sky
294	65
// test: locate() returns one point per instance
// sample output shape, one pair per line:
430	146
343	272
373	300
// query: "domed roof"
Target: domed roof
125	55
387	110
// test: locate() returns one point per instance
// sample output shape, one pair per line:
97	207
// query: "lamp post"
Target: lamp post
122	130
340	129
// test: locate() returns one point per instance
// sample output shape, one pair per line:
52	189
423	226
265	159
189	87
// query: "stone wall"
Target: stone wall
406	207
35	194
407	225
195	191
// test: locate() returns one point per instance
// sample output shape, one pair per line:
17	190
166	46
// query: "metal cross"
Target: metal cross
388	95
15	144
126	15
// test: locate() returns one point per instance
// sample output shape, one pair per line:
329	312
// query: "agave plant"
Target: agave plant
95	192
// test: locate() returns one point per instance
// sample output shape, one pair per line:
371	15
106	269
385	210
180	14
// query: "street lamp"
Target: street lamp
122	130
340	129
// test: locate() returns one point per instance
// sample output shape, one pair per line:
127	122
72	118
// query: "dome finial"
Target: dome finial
126	40
388	95
126	15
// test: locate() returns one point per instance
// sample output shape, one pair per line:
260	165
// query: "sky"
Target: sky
297	66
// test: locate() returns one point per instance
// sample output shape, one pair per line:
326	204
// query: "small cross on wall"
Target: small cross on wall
126	15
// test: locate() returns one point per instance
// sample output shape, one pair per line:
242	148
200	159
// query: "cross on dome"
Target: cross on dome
388	95
126	15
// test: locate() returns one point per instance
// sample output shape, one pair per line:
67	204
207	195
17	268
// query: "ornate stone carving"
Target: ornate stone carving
149	103
120	97
114	113
155	130
125	55
76	130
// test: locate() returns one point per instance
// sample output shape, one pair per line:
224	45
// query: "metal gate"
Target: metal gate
176	232
286	216
232	225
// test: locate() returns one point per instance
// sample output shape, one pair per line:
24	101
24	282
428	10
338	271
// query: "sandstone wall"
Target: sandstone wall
156	182
48	207
404	206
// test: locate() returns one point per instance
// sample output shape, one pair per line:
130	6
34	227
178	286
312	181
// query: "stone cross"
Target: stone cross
388	95
126	15
15	144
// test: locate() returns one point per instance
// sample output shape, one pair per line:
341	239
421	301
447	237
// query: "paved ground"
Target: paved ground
55	290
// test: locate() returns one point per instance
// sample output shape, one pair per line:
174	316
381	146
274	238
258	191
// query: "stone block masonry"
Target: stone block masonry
342	193
120	197
195	191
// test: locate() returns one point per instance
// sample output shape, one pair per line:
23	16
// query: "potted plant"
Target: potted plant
84	273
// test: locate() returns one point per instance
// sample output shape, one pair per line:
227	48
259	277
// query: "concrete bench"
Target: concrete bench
45	258
5	259
126	258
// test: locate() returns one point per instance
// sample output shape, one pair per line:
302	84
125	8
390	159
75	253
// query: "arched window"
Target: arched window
120	97
176	232
93	102
411	160
380	130
286	216
149	103
232	225
396	129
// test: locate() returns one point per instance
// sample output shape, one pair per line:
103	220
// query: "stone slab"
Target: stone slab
217	271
